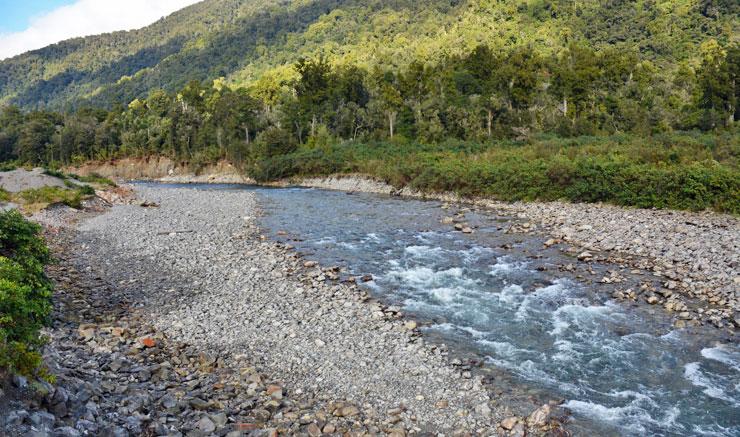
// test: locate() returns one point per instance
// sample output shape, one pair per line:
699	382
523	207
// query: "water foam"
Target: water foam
424	252
692	372
632	418
723	355
449	327
578	316
505	266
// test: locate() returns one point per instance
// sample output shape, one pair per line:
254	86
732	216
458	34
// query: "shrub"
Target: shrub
25	294
273	141
49	195
678	170
93	178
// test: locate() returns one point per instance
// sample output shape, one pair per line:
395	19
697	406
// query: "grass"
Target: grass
36	199
687	171
94	178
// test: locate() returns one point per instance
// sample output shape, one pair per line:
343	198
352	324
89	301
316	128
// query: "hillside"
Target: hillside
241	40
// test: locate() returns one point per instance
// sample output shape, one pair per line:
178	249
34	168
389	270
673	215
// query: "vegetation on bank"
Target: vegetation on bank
25	294
678	171
582	125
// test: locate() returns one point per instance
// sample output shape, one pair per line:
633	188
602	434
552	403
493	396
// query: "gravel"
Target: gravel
21	179
197	267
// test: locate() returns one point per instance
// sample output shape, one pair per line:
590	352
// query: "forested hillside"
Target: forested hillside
242	40
631	102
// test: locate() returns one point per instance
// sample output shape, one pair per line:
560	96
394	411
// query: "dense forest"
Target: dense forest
245	41
632	102
467	107
485	95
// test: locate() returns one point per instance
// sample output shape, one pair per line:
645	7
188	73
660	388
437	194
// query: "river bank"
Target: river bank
696	255
178	318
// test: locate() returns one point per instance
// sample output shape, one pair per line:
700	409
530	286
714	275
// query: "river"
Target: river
537	317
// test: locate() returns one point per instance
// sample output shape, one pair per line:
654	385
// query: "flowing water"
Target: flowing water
621	368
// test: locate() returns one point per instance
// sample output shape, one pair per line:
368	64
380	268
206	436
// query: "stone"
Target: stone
410	325
313	430
518	431
275	392
350	411
66	431
652	300
585	256
329	428
508	423
148	342
42	419
16	417
219	419
199	404
484	410
206	425
20	381
539	417
467	230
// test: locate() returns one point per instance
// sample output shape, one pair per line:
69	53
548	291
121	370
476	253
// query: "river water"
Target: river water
622	369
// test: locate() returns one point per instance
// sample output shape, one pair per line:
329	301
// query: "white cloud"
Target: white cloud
86	17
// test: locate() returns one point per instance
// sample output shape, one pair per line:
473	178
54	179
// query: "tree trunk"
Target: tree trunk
313	125
391	121
565	105
246	134
299	131
489	122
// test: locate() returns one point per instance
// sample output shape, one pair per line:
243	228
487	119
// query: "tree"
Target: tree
575	72
718	81
388	97
35	135
313	90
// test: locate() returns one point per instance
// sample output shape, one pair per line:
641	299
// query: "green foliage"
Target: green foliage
25	294
272	142
246	40
93	178
668	171
8	166
50	195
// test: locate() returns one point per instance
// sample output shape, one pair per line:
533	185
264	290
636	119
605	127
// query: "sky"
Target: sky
31	24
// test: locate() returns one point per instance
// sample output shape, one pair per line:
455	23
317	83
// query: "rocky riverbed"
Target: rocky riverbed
696	255
174	316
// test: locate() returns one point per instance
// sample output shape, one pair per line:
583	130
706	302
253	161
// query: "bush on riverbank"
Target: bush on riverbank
25	294
679	171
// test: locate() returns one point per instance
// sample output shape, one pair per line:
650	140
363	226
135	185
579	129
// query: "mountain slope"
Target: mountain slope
242	39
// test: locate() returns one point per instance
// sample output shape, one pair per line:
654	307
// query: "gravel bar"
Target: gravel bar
207	278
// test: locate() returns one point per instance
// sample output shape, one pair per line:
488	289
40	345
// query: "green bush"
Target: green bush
49	195
678	170
25	294
93	178
272	142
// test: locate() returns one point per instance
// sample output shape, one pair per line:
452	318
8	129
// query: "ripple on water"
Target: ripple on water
616	366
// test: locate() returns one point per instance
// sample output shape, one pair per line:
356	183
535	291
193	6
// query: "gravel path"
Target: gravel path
207	279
